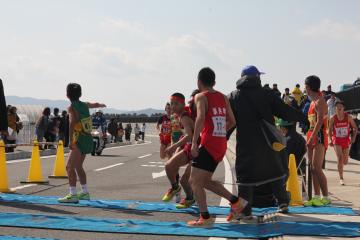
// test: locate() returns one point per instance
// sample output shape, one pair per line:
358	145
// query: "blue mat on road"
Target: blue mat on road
6	237
108	225
165	207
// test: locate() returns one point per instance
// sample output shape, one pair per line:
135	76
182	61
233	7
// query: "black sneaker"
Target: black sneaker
283	208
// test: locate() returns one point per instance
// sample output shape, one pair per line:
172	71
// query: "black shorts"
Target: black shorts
204	161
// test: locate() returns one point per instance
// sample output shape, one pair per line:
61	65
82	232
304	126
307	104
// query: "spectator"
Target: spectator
305	109
256	162
14	125
64	128
128	131
56	113
120	131
3	113
295	143
328	93
142	131
112	128
42	125
266	86
297	93
331	104
286	94
52	133
137	132
276	90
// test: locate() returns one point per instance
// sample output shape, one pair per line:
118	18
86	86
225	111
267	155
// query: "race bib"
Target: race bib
342	132
86	125
219	126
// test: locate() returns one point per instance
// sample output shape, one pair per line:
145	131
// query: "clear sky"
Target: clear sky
133	54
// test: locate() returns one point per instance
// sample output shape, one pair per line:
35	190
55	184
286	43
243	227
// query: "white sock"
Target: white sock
317	196
73	190
84	188
326	197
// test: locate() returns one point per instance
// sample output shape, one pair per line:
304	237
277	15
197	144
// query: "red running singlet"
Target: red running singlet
213	135
341	132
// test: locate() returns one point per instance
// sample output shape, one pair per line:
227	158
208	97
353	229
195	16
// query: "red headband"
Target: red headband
181	100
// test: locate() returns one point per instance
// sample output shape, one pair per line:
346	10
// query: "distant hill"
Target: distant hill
62	104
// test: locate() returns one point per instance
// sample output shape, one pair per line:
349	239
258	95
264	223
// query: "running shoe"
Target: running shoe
283	208
201	222
185	203
315	202
342	182
170	194
236	209
326	201
69	199
83	196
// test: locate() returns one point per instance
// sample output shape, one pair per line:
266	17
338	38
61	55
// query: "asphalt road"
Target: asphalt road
124	172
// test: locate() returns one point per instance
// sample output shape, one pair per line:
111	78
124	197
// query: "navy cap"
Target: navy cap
250	71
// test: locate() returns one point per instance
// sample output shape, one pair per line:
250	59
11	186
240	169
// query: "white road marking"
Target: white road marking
146	155
159	174
157	163
224	202
22	187
111	166
152	165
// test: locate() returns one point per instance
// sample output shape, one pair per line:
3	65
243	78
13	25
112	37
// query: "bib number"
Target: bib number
219	126
86	125
342	132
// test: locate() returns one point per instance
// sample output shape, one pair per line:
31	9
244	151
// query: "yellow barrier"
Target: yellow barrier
59	166
35	172
292	184
4	185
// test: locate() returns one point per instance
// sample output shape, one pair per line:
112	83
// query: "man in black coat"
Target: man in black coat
256	163
3	112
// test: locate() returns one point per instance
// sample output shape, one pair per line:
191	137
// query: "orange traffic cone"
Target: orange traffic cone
35	173
4	187
292	184
59	166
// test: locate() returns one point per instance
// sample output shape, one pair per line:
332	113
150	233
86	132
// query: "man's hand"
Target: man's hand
171	149
331	143
194	150
4	133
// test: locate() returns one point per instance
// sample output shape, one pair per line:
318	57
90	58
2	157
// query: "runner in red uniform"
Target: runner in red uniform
181	157
317	141
339	134
214	118
165	131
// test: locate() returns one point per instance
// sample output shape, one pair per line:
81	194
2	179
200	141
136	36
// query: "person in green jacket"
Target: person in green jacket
81	142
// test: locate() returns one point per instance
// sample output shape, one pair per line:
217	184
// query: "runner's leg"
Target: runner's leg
184	181
318	159
340	163
198	180
173	165
313	172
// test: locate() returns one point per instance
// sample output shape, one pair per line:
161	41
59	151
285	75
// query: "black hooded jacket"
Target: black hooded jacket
254	158
3	112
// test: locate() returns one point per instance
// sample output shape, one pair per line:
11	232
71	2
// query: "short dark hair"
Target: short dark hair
297	85
56	110
47	111
207	77
196	91
73	91
178	95
287	89
313	82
